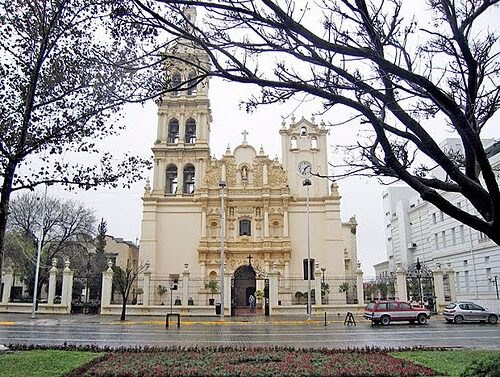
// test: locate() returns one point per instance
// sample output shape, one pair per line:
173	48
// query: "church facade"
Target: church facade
269	204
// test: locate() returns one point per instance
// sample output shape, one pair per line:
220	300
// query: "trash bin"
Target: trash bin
217	308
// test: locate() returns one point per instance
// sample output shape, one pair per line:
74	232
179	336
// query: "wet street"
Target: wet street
151	331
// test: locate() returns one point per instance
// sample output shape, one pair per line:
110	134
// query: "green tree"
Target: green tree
66	69
404	76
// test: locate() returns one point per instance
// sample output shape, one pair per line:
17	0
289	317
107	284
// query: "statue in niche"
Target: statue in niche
244	173
257	211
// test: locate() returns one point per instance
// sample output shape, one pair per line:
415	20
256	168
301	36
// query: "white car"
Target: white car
466	311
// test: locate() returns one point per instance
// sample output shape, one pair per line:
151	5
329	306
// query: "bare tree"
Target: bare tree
67	67
68	228
403	76
123	282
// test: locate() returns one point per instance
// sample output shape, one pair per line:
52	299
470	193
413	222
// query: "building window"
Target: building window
173	131
171	184
453	237
245	228
482	237
314	143
293	142
465	262
462	234
441	215
303	131
436	241
190	136
175	82
443	236
433	218
191	83
486	260
188	179
488	275
466	278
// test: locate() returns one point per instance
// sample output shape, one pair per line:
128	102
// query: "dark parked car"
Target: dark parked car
386	311
466	311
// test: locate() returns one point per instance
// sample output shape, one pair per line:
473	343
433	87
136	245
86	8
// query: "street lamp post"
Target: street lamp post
222	185
323	269
307	183
494	280
419	277
38	253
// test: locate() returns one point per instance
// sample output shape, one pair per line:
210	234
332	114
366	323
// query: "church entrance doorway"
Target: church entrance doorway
244	284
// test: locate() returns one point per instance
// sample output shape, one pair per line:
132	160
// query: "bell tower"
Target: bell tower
181	149
305	153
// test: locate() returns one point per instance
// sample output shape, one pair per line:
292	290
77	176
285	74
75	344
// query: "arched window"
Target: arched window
171	181
303	131
175	82
293	142
190	136
245	228
244	173
191	81
173	131
314	143
188	179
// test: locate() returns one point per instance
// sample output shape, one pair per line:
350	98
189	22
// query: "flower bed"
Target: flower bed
229	361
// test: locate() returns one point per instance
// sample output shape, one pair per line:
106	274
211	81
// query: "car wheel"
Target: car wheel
422	319
458	319
385	320
492	319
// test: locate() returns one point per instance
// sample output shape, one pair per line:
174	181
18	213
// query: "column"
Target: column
67	287
451	281
285	221
185	285
146	288
52	282
107	284
203	222
437	274
202	270
180	176
162	175
401	293
360	292
7	279
227	292
266	222
317	285
265	175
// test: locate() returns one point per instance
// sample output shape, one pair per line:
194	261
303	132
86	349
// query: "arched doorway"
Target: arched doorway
244	285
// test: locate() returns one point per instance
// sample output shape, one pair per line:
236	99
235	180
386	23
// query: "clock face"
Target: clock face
304	168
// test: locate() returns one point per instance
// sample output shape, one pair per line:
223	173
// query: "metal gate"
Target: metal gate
419	283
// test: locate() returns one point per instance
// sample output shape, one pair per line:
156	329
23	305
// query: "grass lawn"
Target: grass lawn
42	363
446	363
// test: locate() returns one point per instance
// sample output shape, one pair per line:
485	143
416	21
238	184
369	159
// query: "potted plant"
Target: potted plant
213	287
161	289
298	296
259	295
343	287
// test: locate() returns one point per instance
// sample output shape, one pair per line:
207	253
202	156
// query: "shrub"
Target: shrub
488	366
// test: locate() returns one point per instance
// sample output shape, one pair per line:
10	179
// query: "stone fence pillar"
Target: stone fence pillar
227	291
400	288
185	285
451	282
52	282
107	286
317	285
67	287
437	274
146	288
360	291
7	280
273	290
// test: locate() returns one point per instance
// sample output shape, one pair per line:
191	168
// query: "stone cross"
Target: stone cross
245	134
249	260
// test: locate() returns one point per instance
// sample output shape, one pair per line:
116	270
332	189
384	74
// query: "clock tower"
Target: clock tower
305	154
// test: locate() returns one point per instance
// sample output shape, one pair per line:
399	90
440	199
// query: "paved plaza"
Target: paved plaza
240	331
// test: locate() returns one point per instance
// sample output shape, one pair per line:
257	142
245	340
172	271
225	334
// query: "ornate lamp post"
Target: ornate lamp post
418	266
307	184
323	269
222	185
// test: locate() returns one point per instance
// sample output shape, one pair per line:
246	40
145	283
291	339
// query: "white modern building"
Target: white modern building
417	229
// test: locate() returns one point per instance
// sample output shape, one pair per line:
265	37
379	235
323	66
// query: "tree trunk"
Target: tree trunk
4	207
124	308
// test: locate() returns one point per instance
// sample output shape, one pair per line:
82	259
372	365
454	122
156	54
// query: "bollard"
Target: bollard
325	319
